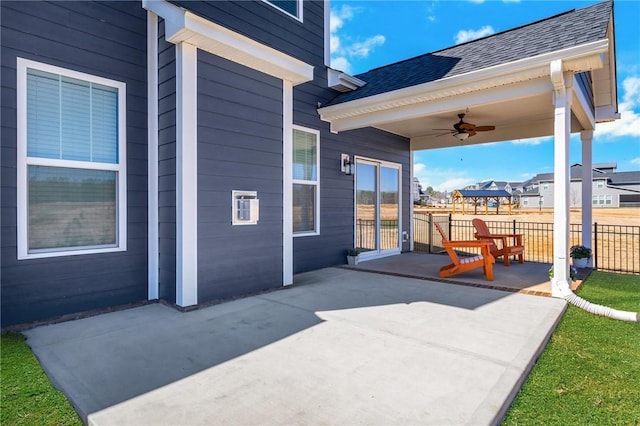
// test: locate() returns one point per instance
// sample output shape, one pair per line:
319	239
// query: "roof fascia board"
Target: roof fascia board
182	26
575	59
453	102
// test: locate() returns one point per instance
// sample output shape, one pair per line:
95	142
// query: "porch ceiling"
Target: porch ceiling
517	110
515	118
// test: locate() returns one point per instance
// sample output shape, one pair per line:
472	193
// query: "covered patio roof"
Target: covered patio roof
503	80
552	77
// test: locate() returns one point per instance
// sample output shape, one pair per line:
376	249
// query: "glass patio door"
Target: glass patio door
377	210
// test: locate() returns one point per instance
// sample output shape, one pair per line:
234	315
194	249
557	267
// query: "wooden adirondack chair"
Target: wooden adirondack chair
505	250
459	265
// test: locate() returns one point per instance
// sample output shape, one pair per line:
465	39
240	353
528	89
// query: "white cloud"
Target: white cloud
441	179
629	122
339	16
468	35
363	49
635	160
343	50
532	141
431	12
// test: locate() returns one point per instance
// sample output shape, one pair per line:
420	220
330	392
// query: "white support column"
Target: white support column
152	155
186	175
586	137
287	182
562	180
411	202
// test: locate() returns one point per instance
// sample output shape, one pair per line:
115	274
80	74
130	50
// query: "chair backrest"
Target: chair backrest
445	242
481	227
482	230
442	234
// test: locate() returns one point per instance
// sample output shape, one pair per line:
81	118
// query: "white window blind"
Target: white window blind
70	119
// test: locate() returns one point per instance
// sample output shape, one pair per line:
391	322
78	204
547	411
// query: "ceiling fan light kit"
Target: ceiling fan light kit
462	130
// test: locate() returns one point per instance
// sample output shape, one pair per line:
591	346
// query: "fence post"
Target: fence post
595	248
450	226
430	232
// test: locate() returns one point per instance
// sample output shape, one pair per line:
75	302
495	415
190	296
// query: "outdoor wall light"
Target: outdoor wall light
461	135
345	164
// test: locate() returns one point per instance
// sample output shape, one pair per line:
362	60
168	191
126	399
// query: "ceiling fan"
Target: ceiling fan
462	130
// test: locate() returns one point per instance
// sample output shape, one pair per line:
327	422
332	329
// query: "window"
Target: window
601	200
245	208
545	186
600	184
306	191
291	7
71	162
525	201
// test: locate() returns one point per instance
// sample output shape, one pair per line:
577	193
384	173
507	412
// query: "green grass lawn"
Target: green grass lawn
26	396
589	373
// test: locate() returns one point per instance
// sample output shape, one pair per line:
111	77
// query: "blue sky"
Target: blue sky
367	34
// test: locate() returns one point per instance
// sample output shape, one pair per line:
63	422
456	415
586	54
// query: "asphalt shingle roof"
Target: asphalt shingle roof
569	29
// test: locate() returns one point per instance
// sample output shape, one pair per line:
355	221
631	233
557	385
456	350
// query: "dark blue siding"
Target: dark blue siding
336	189
103	39
239	148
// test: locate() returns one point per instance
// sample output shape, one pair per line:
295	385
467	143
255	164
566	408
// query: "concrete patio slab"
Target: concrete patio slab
527	278
340	347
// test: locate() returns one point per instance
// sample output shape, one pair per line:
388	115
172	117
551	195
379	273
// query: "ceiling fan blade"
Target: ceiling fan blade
466	126
484	128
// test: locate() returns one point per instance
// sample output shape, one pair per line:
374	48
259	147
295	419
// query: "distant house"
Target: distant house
609	188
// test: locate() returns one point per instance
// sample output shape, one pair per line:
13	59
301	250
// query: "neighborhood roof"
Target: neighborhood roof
569	29
621	178
482	193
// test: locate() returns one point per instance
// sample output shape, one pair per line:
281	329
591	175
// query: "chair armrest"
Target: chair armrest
504	237
469	243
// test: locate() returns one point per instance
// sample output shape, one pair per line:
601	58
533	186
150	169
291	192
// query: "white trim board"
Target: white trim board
184	26
153	263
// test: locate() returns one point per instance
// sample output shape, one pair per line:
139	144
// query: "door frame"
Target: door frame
378	253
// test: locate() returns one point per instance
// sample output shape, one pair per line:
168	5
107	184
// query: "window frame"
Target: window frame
316	183
299	7
24	161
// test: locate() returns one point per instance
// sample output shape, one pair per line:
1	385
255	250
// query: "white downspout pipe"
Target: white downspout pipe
586	138
560	286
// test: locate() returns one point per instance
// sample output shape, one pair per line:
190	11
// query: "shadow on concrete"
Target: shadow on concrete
134	361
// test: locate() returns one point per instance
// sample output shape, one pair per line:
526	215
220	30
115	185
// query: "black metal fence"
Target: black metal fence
615	248
366	234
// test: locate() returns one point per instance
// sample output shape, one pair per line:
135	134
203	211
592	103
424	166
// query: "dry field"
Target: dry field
602	216
618	245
